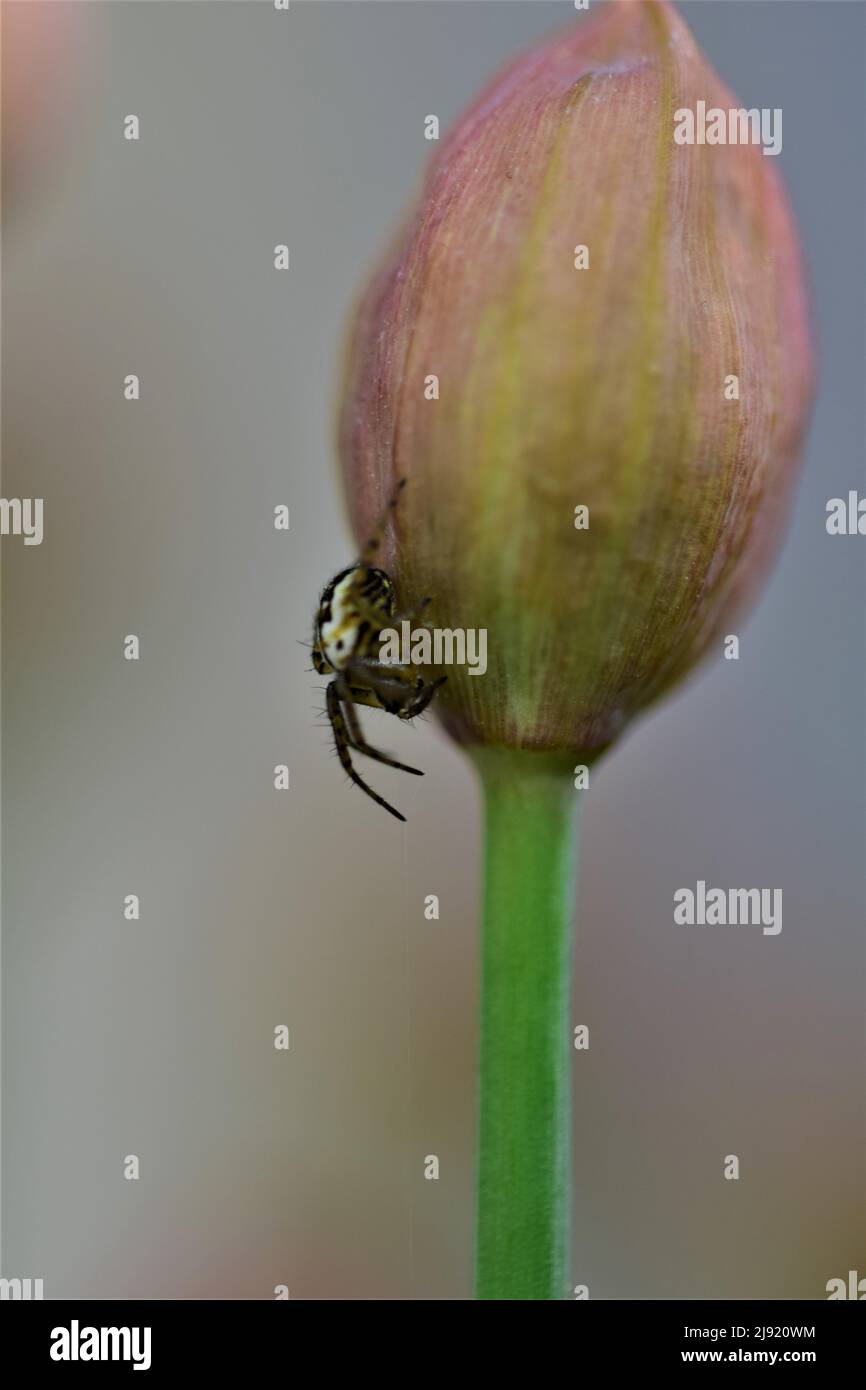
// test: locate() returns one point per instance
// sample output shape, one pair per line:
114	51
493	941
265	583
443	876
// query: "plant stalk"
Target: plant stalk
522	1218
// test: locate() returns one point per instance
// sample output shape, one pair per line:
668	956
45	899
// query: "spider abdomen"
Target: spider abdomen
349	614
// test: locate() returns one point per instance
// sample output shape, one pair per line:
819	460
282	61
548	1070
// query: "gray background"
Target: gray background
306	908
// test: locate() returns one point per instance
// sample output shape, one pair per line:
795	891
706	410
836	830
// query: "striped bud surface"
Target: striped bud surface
566	384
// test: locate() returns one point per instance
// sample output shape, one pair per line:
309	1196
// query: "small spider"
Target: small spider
353	610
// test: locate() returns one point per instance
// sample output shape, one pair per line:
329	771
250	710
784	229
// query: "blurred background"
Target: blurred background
306	907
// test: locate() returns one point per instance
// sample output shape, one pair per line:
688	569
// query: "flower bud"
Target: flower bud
600	444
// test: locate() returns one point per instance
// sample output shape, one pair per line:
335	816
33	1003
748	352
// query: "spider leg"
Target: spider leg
341	739
369	552
362	695
360	745
387	674
411	613
429	691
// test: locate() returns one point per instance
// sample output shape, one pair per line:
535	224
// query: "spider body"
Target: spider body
354	608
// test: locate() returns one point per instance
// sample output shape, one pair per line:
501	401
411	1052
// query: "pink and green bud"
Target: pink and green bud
589	353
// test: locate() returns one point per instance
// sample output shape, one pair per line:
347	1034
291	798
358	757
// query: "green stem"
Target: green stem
523	1166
